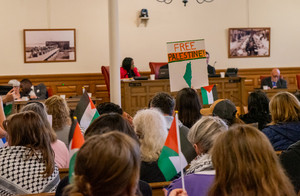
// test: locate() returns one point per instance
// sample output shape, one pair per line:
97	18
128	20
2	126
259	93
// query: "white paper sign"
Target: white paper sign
187	64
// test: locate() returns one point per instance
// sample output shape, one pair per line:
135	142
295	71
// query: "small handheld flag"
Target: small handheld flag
209	94
169	161
76	140
85	111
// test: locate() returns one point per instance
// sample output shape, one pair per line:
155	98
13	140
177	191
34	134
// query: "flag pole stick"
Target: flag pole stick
179	149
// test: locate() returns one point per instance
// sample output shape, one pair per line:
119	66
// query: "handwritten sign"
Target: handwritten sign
187	64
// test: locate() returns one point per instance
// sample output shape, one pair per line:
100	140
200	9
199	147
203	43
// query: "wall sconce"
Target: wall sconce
144	17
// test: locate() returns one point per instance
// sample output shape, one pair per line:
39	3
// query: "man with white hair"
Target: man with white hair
16	88
274	81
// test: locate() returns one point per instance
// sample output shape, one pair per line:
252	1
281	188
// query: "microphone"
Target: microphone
70	89
238	100
215	63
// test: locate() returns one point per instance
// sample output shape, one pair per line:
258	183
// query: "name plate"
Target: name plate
135	84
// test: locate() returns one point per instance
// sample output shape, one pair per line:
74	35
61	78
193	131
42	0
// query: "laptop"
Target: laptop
232	72
140	78
163	72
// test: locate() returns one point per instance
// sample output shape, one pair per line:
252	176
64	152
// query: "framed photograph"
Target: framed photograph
249	42
49	45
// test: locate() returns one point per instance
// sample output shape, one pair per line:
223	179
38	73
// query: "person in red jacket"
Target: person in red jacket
128	70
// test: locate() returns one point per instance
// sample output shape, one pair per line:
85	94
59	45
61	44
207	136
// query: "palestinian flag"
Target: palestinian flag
85	111
169	161
209	94
76	140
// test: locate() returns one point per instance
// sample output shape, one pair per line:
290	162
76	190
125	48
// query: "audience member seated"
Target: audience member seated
246	164
128	70
107	123
210	69
224	109
150	127
200	174
108	107
258	110
166	104
290	161
110	122
27	164
61	121
274	81
284	129
108	165
60	150
16	88
188	106
33	92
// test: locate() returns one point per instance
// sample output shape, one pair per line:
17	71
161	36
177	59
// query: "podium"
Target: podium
135	95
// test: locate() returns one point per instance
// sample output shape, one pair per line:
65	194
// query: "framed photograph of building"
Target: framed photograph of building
249	42
49	45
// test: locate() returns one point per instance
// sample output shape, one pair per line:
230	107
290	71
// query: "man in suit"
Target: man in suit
33	92
210	69
274	81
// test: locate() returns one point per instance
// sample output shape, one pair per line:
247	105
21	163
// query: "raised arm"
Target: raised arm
2	118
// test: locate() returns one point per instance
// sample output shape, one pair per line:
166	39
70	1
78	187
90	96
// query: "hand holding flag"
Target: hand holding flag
174	157
76	140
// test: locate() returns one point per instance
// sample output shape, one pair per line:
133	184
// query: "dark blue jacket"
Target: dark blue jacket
282	135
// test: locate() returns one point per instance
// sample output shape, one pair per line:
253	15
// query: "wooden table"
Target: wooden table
72	103
271	92
137	94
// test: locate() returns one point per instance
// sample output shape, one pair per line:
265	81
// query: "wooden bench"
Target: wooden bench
157	188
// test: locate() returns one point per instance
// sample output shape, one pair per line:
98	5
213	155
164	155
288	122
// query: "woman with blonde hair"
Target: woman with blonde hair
284	129
247	165
118	171
151	129
60	150
201	173
61	122
27	164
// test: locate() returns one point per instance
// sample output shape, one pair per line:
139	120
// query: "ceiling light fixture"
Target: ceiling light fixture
185	1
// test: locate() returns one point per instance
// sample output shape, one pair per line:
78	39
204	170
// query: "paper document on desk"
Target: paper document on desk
187	64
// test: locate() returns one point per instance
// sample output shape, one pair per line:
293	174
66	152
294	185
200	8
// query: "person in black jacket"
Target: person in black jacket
258	110
274	81
290	161
210	69
33	92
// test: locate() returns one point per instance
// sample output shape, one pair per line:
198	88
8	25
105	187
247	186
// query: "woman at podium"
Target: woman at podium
128	70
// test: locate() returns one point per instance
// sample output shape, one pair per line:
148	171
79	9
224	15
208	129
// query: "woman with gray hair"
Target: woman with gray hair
151	129
201	173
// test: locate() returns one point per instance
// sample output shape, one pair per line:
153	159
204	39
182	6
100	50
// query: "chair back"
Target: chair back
50	92
105	72
298	80
63	172
154	67
157	188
